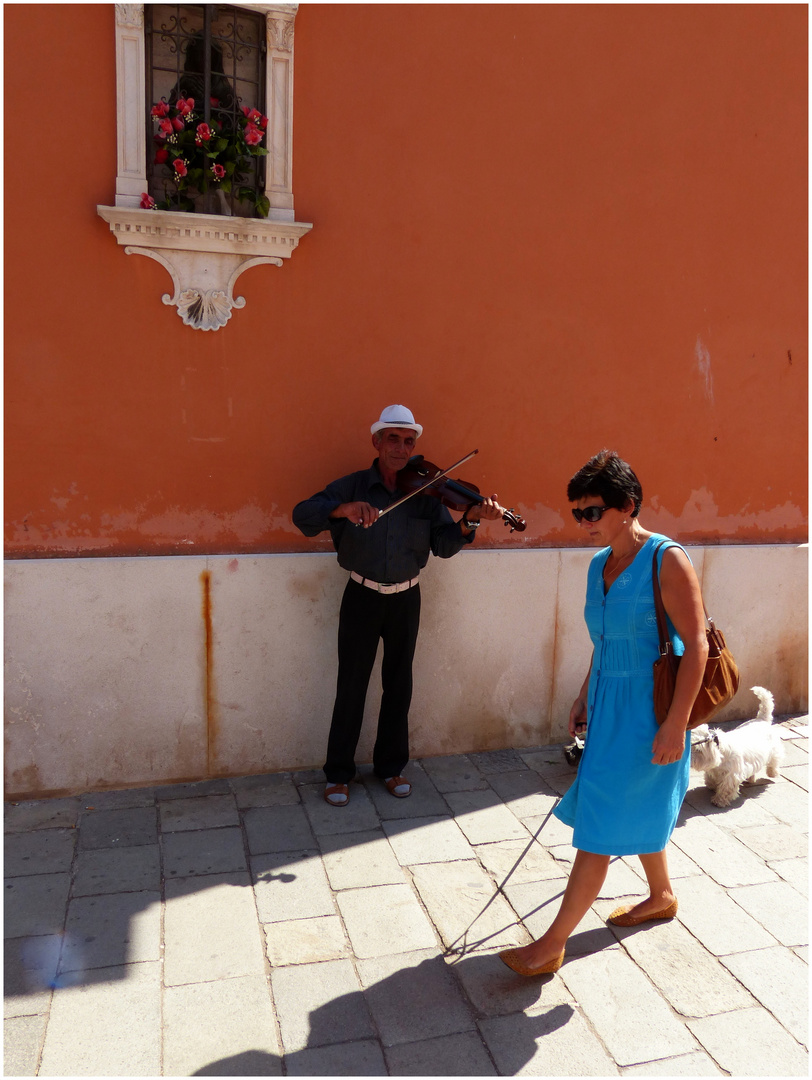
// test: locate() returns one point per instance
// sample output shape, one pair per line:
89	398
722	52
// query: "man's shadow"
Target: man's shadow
425	1001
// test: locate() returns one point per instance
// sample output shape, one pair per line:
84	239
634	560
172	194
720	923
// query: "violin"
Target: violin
455	494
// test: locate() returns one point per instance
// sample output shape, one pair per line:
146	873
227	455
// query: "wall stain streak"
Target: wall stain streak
208	674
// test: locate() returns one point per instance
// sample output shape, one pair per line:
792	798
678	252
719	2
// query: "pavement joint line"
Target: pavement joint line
507	1013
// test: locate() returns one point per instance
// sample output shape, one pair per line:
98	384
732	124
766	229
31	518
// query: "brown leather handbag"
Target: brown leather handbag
720	680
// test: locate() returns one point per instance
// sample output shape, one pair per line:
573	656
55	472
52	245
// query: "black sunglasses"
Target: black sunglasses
591	513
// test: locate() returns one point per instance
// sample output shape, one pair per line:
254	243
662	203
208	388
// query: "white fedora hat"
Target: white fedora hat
397	416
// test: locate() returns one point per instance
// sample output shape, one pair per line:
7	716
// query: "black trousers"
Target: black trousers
366	617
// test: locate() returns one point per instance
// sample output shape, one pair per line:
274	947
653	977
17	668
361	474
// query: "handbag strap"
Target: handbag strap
659	607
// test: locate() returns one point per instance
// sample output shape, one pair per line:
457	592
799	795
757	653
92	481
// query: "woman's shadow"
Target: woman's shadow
425	1001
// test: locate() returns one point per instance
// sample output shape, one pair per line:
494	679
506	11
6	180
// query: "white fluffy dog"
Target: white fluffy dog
728	759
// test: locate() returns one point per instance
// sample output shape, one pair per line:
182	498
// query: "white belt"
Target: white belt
401	586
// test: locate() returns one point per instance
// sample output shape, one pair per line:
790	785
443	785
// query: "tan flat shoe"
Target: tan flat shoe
509	957
621	916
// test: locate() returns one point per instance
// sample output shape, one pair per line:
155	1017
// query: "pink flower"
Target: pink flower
147	201
215	101
180	166
203	133
177	123
161	155
252	115
165	127
253	136
161	109
218	171
185	105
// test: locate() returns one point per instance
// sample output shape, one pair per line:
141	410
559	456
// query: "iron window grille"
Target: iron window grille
215	54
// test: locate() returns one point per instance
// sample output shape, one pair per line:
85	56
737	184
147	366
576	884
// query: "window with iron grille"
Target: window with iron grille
214	55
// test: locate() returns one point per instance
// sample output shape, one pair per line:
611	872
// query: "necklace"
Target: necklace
619	561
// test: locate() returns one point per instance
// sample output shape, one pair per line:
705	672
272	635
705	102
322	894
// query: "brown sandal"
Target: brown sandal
337	789
395	782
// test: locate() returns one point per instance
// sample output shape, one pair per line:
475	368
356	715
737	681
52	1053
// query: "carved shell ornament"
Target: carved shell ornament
206	310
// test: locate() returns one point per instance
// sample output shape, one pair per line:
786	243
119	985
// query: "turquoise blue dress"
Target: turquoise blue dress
619	803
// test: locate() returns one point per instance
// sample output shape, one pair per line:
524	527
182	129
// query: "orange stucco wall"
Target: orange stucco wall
544	228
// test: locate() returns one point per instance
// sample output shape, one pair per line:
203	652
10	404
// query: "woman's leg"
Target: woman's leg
661	894
587	875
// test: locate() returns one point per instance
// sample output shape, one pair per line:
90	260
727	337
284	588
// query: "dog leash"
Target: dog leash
499	889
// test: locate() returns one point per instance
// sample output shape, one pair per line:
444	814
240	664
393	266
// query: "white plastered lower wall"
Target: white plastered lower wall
128	671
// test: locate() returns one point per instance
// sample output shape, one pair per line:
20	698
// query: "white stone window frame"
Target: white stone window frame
204	253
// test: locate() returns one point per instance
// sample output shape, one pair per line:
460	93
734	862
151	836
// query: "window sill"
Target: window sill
204	254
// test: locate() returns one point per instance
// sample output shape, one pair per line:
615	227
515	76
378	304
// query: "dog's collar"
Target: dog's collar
711	737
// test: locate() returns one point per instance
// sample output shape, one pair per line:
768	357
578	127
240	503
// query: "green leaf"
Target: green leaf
225	185
263	205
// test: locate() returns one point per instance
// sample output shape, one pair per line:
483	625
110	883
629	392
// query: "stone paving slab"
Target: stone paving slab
455	896
144	946
776	978
360	859
697	1064
720	855
692	981
278	828
484	818
109	1028
203	852
558	1042
774	842
211	930
291	885
615	995
385	919
306	941
456	773
111	870
41	852
35	905
358	815
110	930
205	1022
41	814
362	1058
206	812
501	860
424	801
268	789
29	973
320	1004
779	908
426	840
750	1043
118	828
451	1055
22	1042
794	871
414	996
713	917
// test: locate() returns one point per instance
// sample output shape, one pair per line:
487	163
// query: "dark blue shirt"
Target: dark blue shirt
397	546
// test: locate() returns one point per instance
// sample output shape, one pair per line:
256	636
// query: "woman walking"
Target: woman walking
633	775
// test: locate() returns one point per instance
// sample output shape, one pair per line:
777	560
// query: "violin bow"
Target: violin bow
427	484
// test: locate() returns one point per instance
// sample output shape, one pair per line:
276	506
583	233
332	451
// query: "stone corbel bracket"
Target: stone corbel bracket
204	254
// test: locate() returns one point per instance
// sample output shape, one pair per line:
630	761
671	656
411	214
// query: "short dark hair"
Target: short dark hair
609	477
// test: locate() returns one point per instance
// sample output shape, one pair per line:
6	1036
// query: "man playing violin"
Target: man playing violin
382	596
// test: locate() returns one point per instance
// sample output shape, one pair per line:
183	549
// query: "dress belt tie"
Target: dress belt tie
378	586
